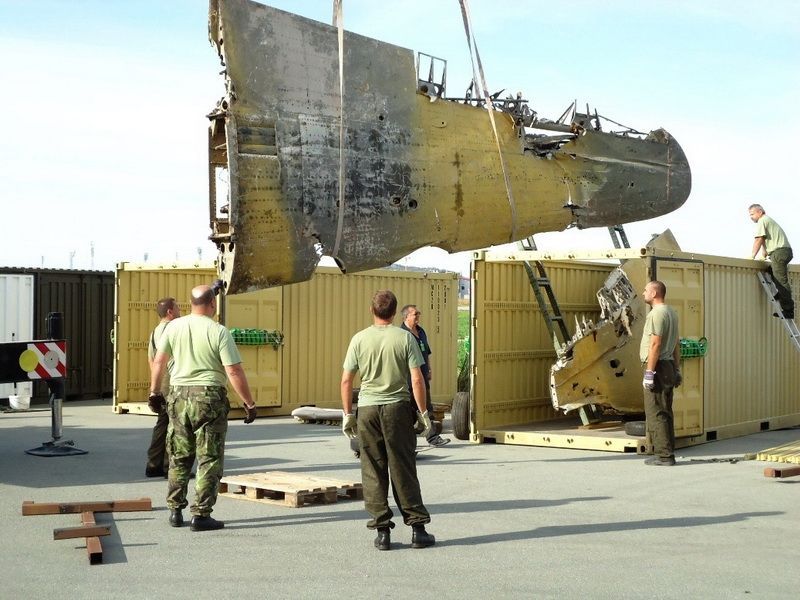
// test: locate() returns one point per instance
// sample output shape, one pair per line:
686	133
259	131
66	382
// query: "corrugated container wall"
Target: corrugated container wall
16	321
747	382
321	315
86	300
512	347
752	379
317	319
138	289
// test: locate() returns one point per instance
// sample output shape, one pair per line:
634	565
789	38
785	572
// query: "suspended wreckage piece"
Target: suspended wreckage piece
600	365
417	168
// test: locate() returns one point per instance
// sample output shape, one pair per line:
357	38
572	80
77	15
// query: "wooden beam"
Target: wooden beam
60	508
66	533
94	548
781	472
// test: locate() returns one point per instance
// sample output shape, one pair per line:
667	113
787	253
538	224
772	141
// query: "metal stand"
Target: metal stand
56	446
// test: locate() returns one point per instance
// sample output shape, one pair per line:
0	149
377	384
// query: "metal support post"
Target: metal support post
57	387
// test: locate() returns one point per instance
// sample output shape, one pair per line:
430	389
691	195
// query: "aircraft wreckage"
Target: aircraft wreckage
386	163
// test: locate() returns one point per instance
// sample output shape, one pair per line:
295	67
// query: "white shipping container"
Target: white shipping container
16	322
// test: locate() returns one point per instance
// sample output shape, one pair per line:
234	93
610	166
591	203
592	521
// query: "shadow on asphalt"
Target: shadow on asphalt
564	530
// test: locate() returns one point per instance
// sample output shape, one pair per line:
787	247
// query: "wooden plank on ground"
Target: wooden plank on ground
68	533
60	508
785	453
781	472
289	489
94	548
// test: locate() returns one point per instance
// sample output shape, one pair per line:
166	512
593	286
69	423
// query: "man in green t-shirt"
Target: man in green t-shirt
386	357
205	359
771	241
660	354
157	457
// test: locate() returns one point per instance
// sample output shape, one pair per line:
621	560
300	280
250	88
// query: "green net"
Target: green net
693	348
257	337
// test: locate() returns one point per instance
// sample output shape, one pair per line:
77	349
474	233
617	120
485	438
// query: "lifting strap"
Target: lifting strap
480	81
338	22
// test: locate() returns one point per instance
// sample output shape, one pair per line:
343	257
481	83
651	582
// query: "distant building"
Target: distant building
463	287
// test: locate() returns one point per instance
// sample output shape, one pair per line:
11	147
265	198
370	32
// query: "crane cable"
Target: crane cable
338	22
479	76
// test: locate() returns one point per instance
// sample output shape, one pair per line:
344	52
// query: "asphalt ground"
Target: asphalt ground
510	521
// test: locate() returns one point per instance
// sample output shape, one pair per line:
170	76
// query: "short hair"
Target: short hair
757	207
164	305
659	288
204	299
384	304
404	310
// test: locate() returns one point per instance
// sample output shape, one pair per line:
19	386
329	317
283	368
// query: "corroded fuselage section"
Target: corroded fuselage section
415	169
600	365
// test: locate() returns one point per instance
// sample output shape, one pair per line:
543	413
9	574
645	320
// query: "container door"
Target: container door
262	310
685	289
138	290
16	321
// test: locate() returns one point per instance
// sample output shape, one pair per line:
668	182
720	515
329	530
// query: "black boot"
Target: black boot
176	517
383	541
205	524
421	538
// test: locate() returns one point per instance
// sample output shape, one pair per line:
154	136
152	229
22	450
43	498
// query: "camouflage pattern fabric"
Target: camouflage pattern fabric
198	423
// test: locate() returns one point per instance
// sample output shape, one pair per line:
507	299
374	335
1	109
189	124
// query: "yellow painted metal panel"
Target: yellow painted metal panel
138	288
751	369
321	315
685	286
512	349
317	319
747	382
262	364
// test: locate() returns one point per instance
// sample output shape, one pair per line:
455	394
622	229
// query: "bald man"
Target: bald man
205	358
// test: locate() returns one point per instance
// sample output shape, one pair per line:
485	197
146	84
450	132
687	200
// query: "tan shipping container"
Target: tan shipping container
746	383
317	318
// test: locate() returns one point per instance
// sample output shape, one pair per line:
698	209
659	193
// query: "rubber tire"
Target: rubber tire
460	415
636	428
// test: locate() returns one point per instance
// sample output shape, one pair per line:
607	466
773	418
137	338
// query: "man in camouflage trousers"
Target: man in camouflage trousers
205	358
157	457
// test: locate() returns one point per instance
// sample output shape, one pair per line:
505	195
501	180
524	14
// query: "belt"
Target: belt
198	388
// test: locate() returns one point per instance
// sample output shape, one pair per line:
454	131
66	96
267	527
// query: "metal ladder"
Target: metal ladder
618	237
543	288
788	324
545	297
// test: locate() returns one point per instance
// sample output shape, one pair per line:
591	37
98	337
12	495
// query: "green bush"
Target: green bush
462	355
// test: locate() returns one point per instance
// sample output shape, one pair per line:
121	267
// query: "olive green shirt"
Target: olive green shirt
151	354
662	321
384	356
201	349
773	234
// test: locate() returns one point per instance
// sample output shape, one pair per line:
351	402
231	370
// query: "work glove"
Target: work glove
217	286
649	381
250	413
156	402
424	422
350	426
678	379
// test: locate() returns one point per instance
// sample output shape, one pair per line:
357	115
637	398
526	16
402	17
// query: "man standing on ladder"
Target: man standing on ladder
771	241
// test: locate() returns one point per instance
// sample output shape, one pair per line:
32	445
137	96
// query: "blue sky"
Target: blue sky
104	108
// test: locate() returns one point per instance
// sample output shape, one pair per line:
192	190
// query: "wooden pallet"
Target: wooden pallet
787	453
289	489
